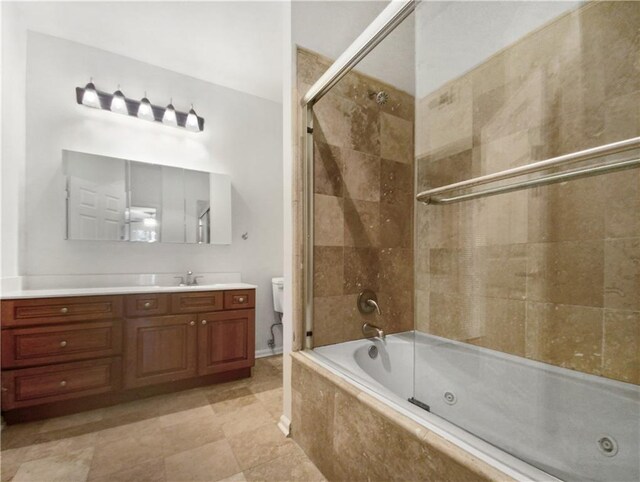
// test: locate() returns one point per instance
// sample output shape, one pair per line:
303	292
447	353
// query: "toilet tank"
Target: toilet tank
277	284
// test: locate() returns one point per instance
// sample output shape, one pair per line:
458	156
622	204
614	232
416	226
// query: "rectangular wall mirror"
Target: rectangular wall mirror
111	199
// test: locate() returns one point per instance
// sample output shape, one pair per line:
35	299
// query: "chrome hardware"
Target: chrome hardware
367	328
192	323
607	446
64	310
368	302
204	322
449	398
63	383
147	305
63	344
373	351
189	279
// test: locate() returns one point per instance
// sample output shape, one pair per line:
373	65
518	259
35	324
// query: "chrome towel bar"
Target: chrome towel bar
432	196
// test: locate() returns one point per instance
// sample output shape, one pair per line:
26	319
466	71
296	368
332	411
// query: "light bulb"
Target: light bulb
169	116
192	121
144	110
118	103
90	96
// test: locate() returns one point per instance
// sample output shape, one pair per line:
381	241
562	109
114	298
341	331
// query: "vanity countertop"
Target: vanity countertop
120	290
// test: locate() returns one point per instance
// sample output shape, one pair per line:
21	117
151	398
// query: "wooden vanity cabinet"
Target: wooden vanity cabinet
102	349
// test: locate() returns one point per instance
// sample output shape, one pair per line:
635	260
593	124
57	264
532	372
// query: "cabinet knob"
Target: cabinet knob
204	322
63	343
241	300
5	389
63	383
147	305
192	323
64	310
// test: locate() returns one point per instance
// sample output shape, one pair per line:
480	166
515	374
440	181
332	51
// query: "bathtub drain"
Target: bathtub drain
449	398
373	351
608	446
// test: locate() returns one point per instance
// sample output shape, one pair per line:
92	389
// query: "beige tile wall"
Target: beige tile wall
351	436
363	194
551	273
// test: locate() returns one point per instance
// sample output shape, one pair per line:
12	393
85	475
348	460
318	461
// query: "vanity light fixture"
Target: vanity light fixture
90	95
142	109
118	104
192	120
169	117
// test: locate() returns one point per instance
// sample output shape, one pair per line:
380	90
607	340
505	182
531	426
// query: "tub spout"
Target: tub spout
368	328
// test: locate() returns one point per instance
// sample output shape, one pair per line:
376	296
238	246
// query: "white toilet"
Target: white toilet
277	287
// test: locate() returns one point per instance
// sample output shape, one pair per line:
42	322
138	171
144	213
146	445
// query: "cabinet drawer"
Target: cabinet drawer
60	310
54	344
239	299
146	305
197	302
35	386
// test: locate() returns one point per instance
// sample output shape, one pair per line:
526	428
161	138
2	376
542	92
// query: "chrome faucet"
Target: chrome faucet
189	279
367	328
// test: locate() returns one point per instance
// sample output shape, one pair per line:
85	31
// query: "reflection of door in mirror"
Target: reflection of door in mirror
143	224
96	198
196	194
204	222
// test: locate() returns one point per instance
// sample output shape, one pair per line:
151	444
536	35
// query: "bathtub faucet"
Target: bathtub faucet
367	328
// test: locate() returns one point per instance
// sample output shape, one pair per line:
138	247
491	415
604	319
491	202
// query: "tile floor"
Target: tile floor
222	432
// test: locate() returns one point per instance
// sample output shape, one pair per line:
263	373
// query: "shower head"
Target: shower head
381	97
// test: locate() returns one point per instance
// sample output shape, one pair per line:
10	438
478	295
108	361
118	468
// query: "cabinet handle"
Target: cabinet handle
64	310
63	343
147	305
63	383
204	322
192	323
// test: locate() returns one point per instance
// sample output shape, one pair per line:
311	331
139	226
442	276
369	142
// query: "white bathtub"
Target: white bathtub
526	418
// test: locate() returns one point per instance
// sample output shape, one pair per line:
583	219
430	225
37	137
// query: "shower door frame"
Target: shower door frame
392	16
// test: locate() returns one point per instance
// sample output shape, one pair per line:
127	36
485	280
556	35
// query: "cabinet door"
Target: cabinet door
226	341
160	349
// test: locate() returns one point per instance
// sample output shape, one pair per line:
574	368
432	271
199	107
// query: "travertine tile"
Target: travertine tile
272	401
211	462
450	270
622	273
361	269
396	273
621	357
361	223
60	446
286	468
332	323
244	418
622	204
131	450
570	273
190	434
75	420
396	226
500	271
328	273
328	221
361	176
184	416
328	169
364	127
223	401
260	445
502	324
396	183
70	467
150	471
566	336
396	138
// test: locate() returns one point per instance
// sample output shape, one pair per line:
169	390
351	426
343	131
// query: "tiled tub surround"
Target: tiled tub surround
363	196
351	435
551	273
505	411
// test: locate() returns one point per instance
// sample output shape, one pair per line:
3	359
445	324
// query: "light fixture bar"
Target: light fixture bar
105	98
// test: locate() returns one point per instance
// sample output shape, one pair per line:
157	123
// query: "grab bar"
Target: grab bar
428	196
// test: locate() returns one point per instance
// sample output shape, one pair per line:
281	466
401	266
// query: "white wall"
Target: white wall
329	27
242	138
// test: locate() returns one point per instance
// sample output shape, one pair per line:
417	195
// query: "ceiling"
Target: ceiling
234	44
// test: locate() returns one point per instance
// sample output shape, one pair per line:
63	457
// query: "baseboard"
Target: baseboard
284	424
268	352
